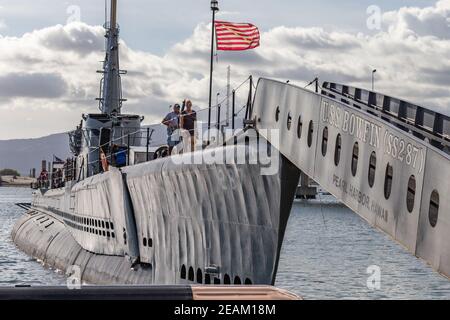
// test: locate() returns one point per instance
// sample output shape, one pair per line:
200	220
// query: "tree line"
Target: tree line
9	172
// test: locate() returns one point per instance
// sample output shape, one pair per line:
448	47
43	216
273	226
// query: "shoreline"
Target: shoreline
20	182
9	185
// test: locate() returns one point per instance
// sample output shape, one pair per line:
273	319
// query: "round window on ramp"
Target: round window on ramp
299	127
337	150
372	168
433	211
411	194
355	157
324	141
310	133
289	121
388	181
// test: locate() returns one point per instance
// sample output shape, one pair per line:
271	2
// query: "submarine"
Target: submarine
163	221
151	218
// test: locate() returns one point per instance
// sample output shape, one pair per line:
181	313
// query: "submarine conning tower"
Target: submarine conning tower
109	132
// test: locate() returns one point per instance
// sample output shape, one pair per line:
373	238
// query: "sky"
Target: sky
50	51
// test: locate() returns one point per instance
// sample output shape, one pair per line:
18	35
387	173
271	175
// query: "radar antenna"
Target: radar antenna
110	101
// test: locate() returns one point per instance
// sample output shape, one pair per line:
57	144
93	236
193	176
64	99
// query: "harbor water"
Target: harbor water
326	255
16	268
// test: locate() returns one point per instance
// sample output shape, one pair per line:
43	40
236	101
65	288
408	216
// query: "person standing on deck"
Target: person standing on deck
172	121
188	120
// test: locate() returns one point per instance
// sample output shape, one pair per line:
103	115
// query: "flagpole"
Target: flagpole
214	8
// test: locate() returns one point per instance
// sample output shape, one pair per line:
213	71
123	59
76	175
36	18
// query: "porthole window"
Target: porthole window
388	181
324	141
247	141
237	280
299	127
226	279
191	274
411	194
337	150
289	121
433	211
277	114
183	272
199	276
372	168
355	156
310	133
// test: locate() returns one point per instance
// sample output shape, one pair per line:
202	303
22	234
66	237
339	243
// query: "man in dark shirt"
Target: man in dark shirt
188	119
171	120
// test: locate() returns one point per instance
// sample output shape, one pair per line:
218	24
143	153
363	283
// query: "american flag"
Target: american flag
236	36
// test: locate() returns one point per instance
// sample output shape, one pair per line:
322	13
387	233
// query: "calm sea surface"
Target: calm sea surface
326	253
16	268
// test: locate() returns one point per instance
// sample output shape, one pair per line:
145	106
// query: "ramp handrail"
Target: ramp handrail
423	123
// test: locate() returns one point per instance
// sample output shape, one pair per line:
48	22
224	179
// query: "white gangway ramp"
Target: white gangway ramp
385	158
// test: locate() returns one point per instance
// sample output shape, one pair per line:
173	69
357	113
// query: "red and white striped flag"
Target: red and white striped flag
236	36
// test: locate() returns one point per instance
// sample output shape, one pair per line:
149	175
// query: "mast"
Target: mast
110	101
228	95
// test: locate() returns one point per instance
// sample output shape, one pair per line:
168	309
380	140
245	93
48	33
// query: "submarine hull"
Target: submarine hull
167	221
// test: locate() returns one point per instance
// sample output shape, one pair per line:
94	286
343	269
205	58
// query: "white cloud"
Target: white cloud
411	57
411	21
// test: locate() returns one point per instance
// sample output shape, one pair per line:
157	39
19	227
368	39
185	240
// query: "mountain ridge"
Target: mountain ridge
25	154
